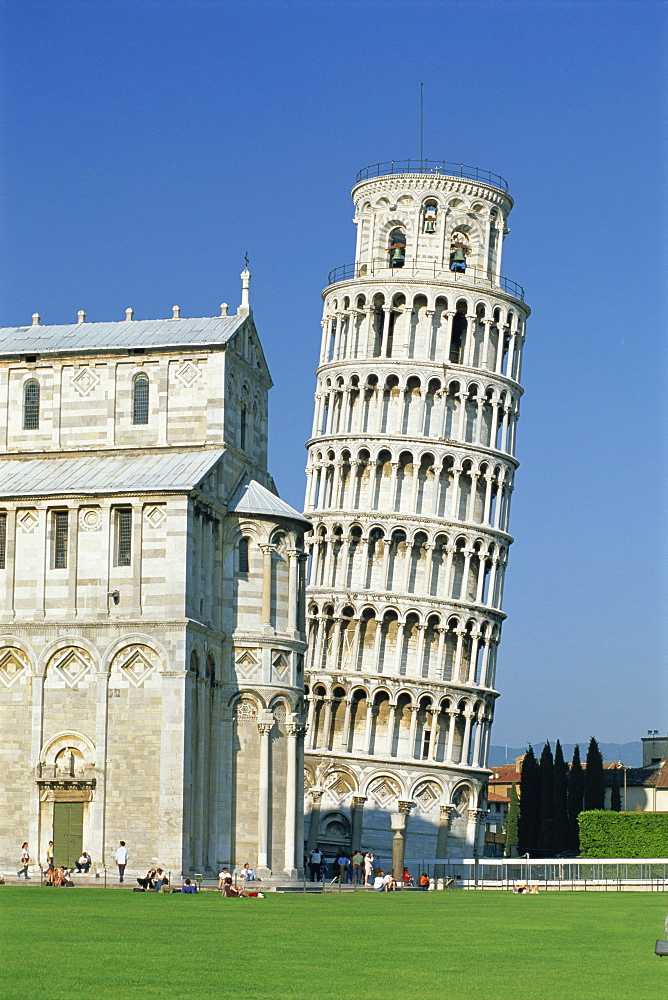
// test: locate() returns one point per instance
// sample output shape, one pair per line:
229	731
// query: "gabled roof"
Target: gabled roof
95	474
147	333
252	498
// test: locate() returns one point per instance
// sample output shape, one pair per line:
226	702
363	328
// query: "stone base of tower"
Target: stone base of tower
419	812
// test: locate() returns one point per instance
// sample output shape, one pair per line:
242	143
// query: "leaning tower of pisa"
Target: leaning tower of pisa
410	472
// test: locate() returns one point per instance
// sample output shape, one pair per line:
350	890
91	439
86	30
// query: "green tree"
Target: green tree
615	796
575	799
546	770
560	802
529	822
594	789
512	821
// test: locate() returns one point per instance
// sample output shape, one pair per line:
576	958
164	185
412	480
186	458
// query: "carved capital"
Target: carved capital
358	801
405	806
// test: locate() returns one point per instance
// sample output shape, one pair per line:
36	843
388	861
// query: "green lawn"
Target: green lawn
62	945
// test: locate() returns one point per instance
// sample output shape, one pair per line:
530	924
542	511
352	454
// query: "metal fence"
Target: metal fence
581	874
473	276
443	167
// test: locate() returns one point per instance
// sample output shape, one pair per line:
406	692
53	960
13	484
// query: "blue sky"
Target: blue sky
147	145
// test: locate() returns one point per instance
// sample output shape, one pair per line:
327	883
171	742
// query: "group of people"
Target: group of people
155	880
53	875
360	869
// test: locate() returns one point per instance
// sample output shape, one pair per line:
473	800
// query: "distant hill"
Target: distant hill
628	753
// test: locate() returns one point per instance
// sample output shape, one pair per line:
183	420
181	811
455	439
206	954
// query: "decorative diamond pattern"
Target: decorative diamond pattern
155	516
85	381
188	374
72	667
426	795
136	668
28	521
246	662
383	790
11	667
280	664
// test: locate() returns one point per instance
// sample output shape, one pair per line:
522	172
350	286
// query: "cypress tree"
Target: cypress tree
615	796
529	822
594	789
575	798
546	770
560	806
512	821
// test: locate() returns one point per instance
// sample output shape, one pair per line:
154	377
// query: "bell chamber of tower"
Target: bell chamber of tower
411	468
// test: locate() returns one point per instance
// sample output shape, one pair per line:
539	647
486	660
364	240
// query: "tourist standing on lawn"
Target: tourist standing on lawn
368	868
121	860
25	861
314	862
343	861
358	868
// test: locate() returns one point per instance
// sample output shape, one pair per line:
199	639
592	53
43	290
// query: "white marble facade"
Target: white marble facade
151	598
410	472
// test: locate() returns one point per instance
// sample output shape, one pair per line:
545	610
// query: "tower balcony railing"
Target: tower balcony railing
442	167
473	276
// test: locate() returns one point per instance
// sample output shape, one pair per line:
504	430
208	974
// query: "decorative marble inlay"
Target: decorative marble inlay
72	666
280	664
383	790
245	711
90	518
427	794
11	666
188	374
28	520
155	516
85	381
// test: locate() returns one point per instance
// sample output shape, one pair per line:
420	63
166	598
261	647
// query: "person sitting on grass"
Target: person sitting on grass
160	879
230	891
149	879
225	873
188	886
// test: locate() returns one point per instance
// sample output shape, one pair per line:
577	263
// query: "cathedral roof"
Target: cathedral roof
127	334
252	498
99	474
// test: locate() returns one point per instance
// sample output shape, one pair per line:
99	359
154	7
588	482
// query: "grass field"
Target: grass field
57	944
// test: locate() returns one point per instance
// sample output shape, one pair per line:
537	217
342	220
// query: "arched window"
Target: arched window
31	405
429	217
397	248
244	565
140	400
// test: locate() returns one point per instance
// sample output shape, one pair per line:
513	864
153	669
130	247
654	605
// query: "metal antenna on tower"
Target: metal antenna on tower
421	120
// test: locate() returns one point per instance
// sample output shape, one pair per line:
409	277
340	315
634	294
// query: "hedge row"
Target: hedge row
623	835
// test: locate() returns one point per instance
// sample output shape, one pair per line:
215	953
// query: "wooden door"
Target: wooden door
67	833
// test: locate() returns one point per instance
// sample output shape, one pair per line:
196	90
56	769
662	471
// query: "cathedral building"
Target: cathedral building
152	618
411	467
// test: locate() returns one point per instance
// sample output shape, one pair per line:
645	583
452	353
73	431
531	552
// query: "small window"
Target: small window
140	400
123	536
60	525
3	539
243	556
242	429
31	406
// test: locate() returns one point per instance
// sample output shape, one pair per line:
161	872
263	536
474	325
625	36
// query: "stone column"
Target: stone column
293	590
344	743
37	721
433	745
449	750
367	727
291	800
474	816
263	825
444	818
358	816
267	551
299	825
314	827
412	729
389	732
327	724
398	821
466	741
98	804
172	769
476	743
